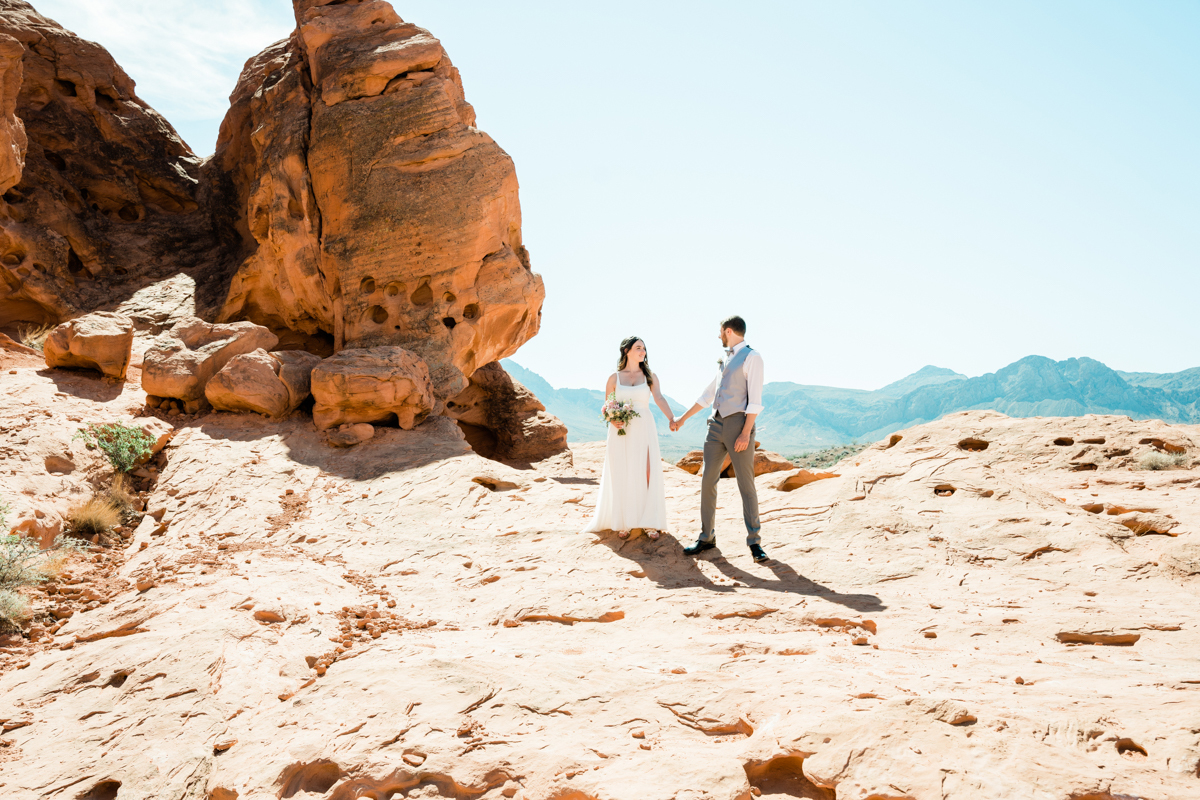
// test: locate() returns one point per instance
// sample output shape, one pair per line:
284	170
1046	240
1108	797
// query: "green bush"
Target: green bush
24	563
125	445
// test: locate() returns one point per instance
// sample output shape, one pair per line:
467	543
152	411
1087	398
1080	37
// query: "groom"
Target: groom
736	397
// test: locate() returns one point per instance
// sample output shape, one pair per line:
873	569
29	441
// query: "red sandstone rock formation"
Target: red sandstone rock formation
106	197
351	202
356	127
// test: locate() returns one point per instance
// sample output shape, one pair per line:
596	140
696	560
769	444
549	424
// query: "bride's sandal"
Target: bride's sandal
622	534
653	534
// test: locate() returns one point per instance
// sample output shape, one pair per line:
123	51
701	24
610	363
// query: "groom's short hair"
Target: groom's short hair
735	324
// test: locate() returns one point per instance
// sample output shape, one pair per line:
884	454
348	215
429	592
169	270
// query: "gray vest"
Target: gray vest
733	392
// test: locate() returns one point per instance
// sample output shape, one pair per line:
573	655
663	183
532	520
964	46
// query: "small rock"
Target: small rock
221	745
930	635
413	759
351	434
639	734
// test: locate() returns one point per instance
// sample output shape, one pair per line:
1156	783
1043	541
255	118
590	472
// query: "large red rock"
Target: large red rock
182	361
274	384
374	384
107	197
101	341
356	127
504	420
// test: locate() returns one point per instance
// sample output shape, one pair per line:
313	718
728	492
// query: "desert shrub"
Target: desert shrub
121	495
3	517
24	563
96	517
125	445
35	335
1156	460
14	610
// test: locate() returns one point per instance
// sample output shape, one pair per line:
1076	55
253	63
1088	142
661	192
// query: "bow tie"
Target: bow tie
729	351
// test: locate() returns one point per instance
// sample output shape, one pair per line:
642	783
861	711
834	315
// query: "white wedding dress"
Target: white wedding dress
627	500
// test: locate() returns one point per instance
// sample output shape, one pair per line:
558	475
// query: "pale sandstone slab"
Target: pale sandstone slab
273	384
102	341
374	384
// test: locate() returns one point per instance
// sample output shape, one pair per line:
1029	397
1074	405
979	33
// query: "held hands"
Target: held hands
676	424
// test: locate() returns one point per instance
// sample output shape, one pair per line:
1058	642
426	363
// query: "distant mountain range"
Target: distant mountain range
800	418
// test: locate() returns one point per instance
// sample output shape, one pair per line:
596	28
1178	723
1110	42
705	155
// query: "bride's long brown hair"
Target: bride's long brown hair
645	365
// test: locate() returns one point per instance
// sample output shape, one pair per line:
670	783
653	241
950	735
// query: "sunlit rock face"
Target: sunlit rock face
370	209
100	195
351	202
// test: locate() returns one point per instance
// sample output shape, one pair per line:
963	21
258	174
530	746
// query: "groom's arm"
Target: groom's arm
753	370
704	402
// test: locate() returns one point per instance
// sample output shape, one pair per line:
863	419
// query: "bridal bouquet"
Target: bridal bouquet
614	411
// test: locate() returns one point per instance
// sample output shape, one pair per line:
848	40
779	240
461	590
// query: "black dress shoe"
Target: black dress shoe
759	554
699	547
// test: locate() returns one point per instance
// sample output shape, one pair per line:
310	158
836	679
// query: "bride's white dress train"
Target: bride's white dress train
627	499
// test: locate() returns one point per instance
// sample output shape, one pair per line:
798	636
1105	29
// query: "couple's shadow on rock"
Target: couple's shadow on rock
664	562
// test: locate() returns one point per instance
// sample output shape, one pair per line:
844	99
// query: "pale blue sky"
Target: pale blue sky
874	186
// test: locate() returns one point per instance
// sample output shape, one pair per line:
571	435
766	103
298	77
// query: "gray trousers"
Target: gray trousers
722	434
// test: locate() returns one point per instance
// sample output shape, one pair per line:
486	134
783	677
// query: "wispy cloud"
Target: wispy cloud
184	56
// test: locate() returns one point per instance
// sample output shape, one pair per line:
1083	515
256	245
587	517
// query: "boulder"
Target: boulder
373	208
350	434
101	340
373	384
764	462
181	362
274	384
502	419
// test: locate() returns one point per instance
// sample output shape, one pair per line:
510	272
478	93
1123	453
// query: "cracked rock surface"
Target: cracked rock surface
407	619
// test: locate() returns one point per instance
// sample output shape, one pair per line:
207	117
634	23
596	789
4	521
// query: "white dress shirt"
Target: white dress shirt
752	368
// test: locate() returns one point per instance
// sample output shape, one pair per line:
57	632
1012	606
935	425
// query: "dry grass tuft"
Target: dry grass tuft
14	610
96	517
35	335
1155	460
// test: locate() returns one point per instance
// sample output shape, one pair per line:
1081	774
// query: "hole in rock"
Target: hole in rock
1159	444
394	289
1131	749
1097	440
117	680
67	88
423	296
1094	508
317	777
1117	453
130	213
482	440
108	101
367	286
449	297
13	196
495	484
104	790
1064	441
121	271
1083	467
449	322
943	490
74	264
893	441
56	161
784	776
378	314
13	259
973	445
471	311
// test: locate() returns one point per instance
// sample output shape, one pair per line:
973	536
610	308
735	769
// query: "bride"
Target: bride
631	489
